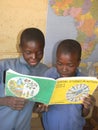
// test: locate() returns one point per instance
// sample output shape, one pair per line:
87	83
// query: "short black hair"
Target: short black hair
70	46
32	34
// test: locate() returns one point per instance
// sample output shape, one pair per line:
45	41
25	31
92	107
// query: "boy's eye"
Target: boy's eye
39	53
58	63
71	65
27	52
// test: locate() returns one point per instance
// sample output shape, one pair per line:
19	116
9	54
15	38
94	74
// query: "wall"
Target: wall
14	17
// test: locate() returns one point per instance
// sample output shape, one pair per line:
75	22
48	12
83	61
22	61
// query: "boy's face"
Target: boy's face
67	64
32	52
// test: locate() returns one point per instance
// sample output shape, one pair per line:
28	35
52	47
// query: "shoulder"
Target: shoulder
78	73
51	72
8	60
7	63
42	66
39	69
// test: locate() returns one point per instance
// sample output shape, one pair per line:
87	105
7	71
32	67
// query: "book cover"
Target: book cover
69	90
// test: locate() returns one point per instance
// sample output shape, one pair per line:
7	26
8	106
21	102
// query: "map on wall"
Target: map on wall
75	19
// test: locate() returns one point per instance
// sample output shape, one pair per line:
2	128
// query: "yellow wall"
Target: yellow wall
16	15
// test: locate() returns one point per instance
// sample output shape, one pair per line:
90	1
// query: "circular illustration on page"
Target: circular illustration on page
77	92
23	87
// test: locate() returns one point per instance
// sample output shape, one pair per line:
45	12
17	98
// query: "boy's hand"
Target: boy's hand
88	103
14	102
40	107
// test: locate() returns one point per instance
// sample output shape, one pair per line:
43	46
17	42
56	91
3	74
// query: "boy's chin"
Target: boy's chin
67	75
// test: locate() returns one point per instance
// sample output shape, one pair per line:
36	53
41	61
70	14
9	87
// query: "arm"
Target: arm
87	113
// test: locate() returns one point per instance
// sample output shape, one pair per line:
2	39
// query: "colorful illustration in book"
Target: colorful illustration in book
23	87
77	92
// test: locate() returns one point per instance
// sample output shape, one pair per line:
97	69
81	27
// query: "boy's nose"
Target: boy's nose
64	68
33	56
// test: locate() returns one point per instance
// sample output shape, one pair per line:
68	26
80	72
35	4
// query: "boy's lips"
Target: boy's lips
64	75
33	62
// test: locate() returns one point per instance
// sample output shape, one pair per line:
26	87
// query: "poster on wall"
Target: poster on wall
72	19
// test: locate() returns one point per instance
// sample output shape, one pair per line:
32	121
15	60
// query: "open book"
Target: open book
47	90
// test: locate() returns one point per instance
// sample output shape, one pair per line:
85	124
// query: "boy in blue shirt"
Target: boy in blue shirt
16	113
67	116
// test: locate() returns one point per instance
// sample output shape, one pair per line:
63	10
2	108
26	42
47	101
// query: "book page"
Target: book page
34	88
72	90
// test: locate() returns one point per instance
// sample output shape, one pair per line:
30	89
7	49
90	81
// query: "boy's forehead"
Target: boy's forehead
35	46
66	52
71	55
33	43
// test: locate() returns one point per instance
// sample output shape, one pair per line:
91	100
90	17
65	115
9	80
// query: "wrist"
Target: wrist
87	112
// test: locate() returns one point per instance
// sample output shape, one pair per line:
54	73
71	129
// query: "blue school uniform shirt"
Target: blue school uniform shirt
14	119
63	117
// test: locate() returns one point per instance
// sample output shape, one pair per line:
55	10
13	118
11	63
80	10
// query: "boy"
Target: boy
67	117
16	113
